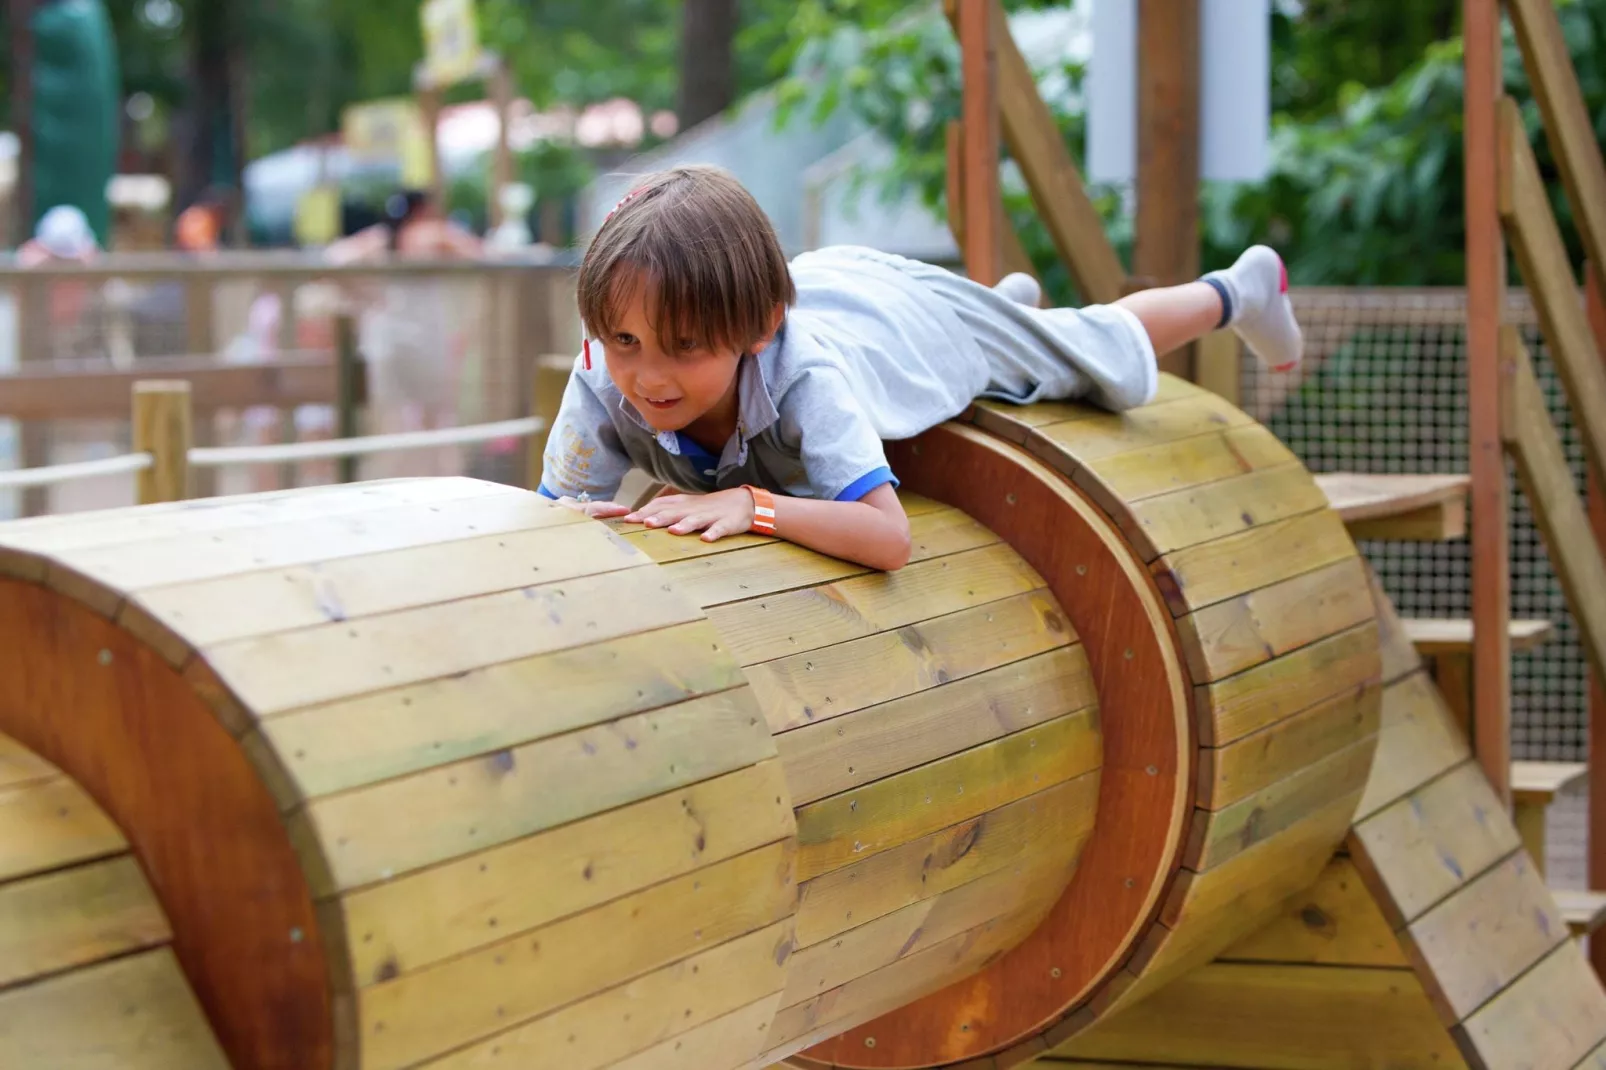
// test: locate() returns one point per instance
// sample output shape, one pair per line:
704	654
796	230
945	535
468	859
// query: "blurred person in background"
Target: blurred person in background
414	351
62	237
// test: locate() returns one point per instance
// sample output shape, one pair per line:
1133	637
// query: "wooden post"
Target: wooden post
1486	302
162	429
285	291
1595	302
983	205
1166	237
200	340
348	379
33	337
550	380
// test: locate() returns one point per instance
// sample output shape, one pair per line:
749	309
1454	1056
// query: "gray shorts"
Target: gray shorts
1098	352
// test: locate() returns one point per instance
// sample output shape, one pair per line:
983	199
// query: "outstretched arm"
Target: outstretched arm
872	531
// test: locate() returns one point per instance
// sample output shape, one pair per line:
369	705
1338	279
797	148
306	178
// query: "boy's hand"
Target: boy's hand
724	512
600	510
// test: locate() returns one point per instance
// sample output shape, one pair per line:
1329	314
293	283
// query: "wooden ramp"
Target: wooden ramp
1429	941
87	978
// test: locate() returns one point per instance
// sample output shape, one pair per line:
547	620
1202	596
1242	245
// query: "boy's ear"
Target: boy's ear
777	317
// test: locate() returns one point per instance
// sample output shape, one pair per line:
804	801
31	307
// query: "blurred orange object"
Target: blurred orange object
197	228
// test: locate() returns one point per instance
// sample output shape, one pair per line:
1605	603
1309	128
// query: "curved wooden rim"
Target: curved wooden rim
1147	778
118	717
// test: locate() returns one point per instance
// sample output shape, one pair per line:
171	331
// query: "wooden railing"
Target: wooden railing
1575	344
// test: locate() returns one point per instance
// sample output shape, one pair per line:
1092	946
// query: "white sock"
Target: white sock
1020	288
1255	290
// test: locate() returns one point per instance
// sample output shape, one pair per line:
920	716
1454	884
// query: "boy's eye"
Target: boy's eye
624	339
688	344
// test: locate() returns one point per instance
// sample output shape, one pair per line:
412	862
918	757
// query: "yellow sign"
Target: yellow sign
451	40
317	218
390	131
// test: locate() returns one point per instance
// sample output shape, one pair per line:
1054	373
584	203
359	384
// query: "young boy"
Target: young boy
764	391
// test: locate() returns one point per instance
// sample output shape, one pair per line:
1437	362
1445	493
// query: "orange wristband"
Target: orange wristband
763	510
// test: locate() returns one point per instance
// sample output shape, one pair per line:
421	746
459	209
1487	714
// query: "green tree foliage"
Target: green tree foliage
1364	184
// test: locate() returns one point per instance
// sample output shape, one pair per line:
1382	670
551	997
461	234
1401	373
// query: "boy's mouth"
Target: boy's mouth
661	403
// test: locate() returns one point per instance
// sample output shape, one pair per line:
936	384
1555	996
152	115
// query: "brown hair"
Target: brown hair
704	249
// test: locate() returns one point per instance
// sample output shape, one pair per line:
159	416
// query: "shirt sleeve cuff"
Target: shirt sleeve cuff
866	483
542	490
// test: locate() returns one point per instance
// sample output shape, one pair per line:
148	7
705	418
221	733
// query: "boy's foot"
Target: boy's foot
1255	291
1020	288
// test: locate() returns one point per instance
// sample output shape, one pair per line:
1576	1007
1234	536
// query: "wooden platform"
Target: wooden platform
1431	941
87	974
1440	637
1417	508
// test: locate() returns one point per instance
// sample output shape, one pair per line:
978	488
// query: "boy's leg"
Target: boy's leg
1251	297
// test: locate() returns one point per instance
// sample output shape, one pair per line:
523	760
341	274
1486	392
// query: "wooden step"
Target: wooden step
1416	508
1583	911
1533	786
1436	637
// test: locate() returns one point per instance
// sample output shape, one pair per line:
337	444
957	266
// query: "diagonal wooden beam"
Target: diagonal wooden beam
1547	481
1051	175
1568	126
1542	257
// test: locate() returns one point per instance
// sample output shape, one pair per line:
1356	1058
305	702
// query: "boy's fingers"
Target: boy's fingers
689	524
606	509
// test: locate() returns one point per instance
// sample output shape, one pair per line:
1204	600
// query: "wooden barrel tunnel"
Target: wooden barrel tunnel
436	773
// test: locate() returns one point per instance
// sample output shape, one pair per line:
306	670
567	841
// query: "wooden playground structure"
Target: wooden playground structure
1134	764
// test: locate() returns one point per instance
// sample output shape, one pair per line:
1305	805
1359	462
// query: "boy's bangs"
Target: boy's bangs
677	309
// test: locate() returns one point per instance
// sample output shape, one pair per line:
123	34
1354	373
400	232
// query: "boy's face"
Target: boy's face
671	382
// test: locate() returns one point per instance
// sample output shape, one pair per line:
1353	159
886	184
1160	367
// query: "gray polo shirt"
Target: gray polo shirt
877	347
867	353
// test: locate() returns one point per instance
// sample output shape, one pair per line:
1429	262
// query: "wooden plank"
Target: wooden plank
1008	837
1473	945
75	917
1417	741
1333	923
1434	637
730	1041
763	570
1097	435
1540	782
599	1031
188	558
905	980
1013	422
1274	1016
1173	466
878	943
431	1011
981	196
1165	238
19	765
1205	913
857	748
400	825
276	600
844	828
1251	701
401	925
1547	483
1399	654
1444	522
352	742
1358	497
1595	1060
1427	845
793	622
1051	175
1232	774
99	392
1569	128
350	658
807	688
1215	837
1553	1016
132	1013
1229	637
1583	911
1211	511
1212	572
48	824
1546	267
